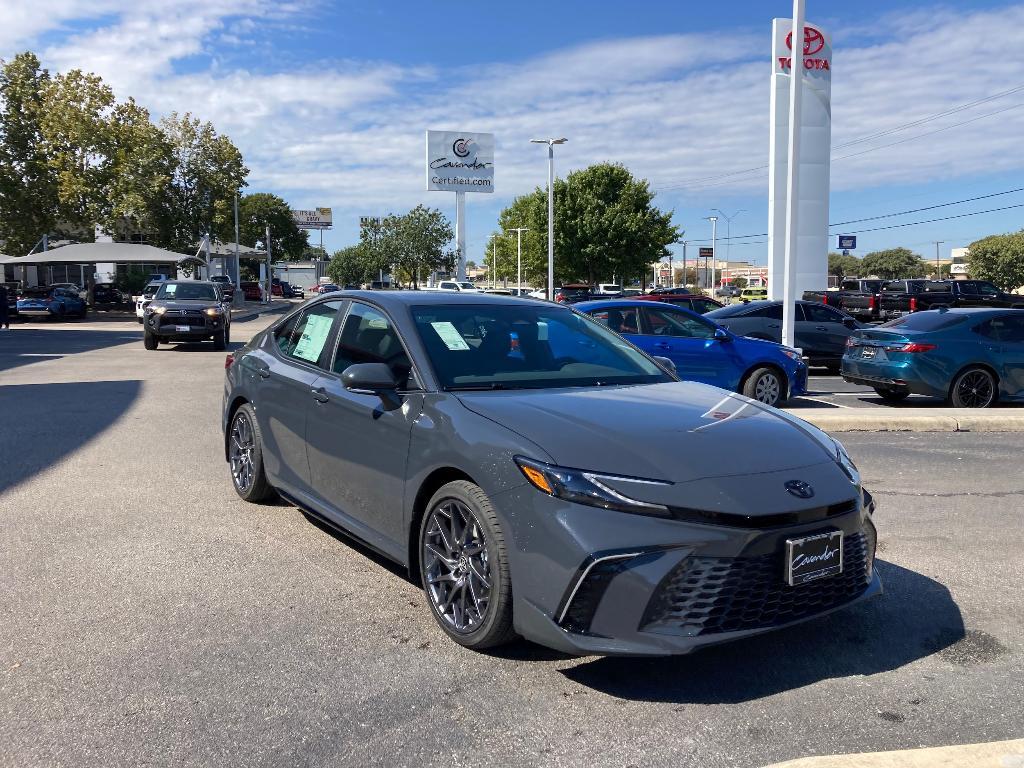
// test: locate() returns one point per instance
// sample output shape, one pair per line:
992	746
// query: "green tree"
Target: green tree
605	225
740	282
894	264
349	265
999	259
256	212
840	265
470	264
28	189
208	171
415	244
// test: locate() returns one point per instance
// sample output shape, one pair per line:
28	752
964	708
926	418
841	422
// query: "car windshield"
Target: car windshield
516	347
925	321
187	292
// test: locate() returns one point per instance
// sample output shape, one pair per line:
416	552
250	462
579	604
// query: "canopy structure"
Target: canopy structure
101	253
218	248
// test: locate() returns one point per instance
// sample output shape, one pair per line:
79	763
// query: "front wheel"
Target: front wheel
764	385
149	340
220	340
245	456
973	388
464	567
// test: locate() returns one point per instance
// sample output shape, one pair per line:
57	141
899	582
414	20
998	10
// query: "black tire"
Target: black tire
974	387
478	545
766	385
244	439
139	319
149	340
834	369
892	395
220	340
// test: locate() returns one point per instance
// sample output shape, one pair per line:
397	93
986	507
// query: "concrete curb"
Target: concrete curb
996	754
931	420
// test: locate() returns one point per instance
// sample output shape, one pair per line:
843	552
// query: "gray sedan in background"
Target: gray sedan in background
541	477
821	331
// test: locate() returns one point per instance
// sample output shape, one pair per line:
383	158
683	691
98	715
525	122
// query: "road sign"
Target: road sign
366	221
707	253
847	242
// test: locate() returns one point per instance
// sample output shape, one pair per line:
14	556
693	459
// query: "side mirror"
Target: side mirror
665	363
722	335
369	379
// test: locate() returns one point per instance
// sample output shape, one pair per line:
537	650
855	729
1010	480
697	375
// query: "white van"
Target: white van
607	289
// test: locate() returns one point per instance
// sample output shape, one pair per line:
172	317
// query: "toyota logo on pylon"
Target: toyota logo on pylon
814	41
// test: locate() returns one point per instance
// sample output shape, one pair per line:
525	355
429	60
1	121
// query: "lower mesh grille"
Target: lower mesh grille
706	595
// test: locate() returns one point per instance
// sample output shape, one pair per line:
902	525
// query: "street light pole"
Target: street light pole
714	254
938	270
551	210
519	254
728	230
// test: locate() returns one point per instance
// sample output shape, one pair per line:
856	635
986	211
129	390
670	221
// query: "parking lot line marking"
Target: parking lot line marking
825	402
40	354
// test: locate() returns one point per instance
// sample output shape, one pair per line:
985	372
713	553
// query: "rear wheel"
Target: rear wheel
464	567
834	369
973	388
892	395
245	456
149	340
764	385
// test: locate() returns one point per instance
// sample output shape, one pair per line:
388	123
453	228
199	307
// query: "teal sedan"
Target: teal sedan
971	358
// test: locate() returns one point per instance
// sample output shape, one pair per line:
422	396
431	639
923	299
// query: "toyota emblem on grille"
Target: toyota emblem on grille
800	489
182	311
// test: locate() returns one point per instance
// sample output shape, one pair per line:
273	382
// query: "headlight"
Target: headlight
792	354
846	464
587	487
212	311
157	310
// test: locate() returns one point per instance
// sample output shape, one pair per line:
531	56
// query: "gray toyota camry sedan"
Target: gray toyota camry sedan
542	477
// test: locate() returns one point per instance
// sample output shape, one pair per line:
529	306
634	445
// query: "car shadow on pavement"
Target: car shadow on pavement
25	346
43	423
914	618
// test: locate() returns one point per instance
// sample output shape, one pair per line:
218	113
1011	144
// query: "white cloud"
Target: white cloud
671	107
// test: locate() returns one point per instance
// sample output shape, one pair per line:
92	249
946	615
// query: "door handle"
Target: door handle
662	345
820	328
773	325
320	394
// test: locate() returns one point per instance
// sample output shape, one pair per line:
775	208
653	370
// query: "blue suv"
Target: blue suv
703	351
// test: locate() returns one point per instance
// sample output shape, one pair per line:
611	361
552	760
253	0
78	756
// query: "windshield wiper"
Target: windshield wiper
494	385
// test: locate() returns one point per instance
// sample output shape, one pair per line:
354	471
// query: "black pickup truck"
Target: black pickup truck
856	296
900	297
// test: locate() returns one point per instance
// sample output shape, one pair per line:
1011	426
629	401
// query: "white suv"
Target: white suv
459	286
142	301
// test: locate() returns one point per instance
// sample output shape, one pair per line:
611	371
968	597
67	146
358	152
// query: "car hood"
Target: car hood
679	432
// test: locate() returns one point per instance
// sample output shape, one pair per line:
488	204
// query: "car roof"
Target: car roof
399	298
634	302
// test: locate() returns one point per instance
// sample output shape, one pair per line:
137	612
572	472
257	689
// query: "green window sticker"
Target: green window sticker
314	336
450	336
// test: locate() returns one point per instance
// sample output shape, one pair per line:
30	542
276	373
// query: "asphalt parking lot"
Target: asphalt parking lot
148	616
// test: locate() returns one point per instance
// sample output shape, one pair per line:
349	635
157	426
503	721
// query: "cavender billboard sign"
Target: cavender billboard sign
460	162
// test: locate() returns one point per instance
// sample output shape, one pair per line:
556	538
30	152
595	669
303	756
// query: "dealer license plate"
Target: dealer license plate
183	328
867	352
814	557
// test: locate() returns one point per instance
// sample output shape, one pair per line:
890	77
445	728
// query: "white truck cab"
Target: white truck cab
457	285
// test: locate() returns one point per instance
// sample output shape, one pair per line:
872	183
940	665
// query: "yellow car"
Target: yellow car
753	294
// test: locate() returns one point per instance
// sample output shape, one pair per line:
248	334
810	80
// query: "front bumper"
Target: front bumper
654	586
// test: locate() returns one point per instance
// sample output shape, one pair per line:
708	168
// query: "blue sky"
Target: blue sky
329	101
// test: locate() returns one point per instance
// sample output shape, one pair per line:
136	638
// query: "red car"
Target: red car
693	301
251	289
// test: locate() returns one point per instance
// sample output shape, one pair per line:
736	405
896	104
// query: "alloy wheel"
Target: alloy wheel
240	452
975	389
767	389
456	566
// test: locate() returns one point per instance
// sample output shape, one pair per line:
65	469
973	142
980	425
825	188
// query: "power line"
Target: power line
720	179
927	208
944	218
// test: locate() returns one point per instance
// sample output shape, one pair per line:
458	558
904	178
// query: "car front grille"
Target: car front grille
708	595
172	318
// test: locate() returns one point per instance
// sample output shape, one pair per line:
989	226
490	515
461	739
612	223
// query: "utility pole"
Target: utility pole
938	270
